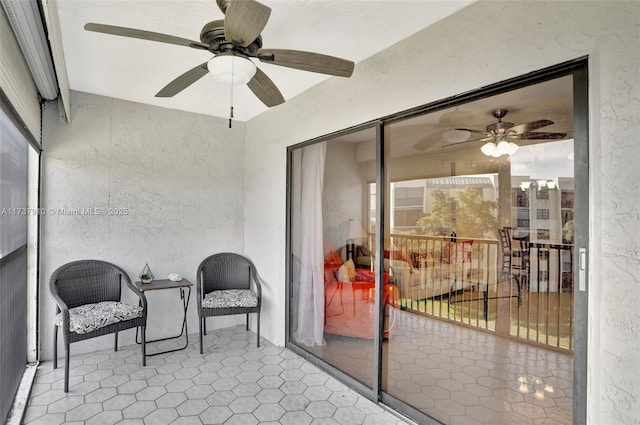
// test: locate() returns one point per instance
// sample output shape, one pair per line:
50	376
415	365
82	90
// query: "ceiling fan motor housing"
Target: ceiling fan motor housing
500	126
213	35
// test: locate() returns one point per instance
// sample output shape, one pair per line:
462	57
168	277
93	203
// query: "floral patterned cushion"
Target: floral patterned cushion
89	317
230	298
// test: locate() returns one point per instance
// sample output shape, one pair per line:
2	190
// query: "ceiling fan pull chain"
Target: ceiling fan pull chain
231	94
231	106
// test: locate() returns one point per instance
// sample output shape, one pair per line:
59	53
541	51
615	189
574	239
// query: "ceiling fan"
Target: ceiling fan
447	120
500	136
233	41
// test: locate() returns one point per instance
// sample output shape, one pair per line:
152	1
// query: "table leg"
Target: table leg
184	330
338	290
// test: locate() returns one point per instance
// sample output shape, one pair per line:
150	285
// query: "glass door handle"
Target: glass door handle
582	269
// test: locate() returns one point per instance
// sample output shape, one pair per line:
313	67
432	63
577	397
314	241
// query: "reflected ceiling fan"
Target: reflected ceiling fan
500	136
233	41
447	120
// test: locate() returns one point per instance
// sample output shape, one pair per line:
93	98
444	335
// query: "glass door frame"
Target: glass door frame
290	344
578	68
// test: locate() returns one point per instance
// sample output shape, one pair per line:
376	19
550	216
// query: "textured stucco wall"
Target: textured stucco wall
180	175
482	44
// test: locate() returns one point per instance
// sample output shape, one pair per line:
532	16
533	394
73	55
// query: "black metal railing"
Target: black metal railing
465	280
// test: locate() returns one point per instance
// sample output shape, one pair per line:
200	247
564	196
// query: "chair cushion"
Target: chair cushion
89	317
230	298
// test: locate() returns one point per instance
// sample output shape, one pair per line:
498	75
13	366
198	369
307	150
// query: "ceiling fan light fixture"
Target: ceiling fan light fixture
507	148
501	148
231	69
489	149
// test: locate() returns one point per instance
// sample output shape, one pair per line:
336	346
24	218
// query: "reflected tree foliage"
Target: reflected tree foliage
467	214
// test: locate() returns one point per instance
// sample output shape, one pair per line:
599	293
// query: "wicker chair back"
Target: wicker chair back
87	281
236	277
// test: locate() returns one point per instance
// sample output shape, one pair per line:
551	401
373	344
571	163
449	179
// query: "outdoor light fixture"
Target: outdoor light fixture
538	184
524	186
231	69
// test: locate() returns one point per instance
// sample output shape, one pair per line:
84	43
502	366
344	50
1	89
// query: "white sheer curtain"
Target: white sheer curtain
310	330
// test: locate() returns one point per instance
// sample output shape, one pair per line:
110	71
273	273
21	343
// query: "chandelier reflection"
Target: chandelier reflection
534	384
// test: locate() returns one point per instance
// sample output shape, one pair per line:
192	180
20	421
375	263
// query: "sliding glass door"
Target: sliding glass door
332	309
481	229
434	254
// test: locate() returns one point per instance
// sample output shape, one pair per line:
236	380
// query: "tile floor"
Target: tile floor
232	383
461	376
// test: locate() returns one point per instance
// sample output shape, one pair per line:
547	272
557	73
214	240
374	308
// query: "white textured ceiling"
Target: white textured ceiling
135	70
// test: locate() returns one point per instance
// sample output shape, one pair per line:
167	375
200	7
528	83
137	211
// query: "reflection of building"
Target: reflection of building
542	208
412	199
539	208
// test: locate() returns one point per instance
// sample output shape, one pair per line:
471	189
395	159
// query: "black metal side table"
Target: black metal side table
159	284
